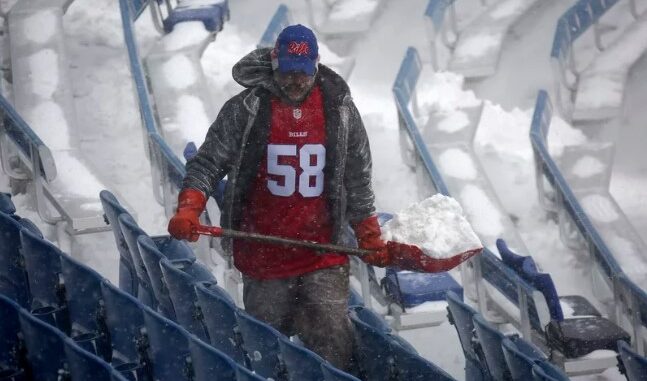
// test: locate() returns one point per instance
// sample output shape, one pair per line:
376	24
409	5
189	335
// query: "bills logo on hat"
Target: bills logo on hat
298	48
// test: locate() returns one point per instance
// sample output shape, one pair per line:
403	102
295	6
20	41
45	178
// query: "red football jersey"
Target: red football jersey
287	198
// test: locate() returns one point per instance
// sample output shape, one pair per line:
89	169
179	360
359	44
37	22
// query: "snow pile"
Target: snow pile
436	225
457	163
588	166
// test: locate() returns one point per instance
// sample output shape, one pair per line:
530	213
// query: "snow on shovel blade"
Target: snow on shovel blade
412	258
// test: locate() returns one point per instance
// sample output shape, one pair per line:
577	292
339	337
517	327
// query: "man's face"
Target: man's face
295	86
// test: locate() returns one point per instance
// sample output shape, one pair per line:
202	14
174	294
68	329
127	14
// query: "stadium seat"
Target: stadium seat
44	344
260	342
411	367
490	339
374	354
520	357
13	277
409	289
12	363
6	205
84	366
634	364
43	266
300	363
220	319
180	276
355	299
460	315
127	275
125	321
85	304
330	373
369	317
243	374
545	371
209	363
212	14
131	232
169	347
151	256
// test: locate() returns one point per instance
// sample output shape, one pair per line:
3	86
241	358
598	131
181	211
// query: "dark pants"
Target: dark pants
313	306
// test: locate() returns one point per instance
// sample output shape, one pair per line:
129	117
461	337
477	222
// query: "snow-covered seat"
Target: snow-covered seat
448	139
340	17
44	109
212	13
600	91
282	18
478	47
176	76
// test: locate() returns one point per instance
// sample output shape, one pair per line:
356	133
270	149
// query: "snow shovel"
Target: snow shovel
403	256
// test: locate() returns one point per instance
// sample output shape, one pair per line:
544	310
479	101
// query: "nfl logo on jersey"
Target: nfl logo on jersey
297	113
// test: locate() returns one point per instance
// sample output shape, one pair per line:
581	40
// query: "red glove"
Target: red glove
191	203
368	235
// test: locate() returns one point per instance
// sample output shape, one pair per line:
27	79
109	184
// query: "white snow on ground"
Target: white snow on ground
457	163
50	114
485	216
454	122
436	225
41	26
179	72
477	45
506	9
599	208
185	34
587	166
44	68
191	112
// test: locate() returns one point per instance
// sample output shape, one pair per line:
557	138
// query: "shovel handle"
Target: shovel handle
216	231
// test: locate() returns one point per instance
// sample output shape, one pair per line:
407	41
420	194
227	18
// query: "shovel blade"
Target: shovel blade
412	258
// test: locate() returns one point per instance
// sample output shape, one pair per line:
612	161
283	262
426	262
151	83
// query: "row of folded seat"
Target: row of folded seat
492	355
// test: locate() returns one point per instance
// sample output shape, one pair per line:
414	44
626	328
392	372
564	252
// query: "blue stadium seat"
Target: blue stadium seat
84	366
180	280
44	345
13	277
300	363
243	374
43	265
460	315
355	299
509	258
127	275
490	339
520	357
209	363
169	347
374	353
85	303
635	365
369	317
151	256
12	364
125	321
131	232
409	289
213	15
411	367
219	313
545	371
330	373
6	205
260	342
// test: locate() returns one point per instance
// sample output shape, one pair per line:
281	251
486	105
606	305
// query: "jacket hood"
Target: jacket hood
255	70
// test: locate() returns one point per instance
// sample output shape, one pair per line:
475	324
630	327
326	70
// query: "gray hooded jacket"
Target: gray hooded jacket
236	142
